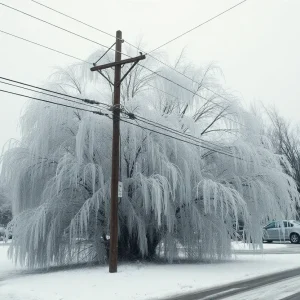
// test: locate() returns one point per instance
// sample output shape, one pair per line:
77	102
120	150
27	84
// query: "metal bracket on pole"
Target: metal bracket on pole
105	77
132	66
104	54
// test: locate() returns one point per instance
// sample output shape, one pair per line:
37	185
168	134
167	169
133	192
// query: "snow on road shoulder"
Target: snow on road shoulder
137	281
244	246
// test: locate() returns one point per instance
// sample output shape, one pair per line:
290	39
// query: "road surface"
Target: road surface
281	290
270	287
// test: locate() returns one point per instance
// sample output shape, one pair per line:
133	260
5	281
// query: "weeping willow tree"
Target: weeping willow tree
176	194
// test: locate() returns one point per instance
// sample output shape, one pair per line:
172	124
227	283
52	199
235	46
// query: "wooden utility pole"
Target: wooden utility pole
113	247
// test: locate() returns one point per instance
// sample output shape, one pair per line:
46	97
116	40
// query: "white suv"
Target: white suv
285	230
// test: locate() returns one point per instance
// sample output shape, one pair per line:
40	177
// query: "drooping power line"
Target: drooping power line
56	103
123	120
182	140
46	94
185	135
88	102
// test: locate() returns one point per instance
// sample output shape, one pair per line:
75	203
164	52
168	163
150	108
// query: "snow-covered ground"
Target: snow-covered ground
6	267
136	281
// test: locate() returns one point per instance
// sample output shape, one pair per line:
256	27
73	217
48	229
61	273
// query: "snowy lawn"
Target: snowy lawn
6	267
136	281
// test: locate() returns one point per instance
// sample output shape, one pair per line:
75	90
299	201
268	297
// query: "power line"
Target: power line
169	129
52	49
58	27
107	115
205	144
63	53
154	72
47	94
83	23
162	91
182	140
138	48
40	45
74	19
207	21
46	47
51	102
188	136
198	145
89	101
57	51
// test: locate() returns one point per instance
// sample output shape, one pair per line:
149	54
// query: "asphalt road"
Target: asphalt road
280	290
238	289
295	296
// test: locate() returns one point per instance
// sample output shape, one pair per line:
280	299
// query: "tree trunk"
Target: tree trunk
129	247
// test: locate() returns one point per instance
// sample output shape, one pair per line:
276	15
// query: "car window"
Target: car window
271	225
287	224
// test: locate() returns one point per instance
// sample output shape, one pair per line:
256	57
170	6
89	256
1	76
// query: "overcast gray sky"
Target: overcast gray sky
256	45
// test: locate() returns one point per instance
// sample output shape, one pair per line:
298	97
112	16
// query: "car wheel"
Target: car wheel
294	238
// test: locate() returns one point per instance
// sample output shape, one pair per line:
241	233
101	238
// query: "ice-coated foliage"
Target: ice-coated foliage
176	195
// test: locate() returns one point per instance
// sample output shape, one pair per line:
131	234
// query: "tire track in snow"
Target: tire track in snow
288	289
237	288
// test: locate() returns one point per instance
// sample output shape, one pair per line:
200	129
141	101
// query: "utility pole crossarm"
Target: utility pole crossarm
118	63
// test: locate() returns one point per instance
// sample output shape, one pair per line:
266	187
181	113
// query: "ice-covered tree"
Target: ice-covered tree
285	140
175	194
